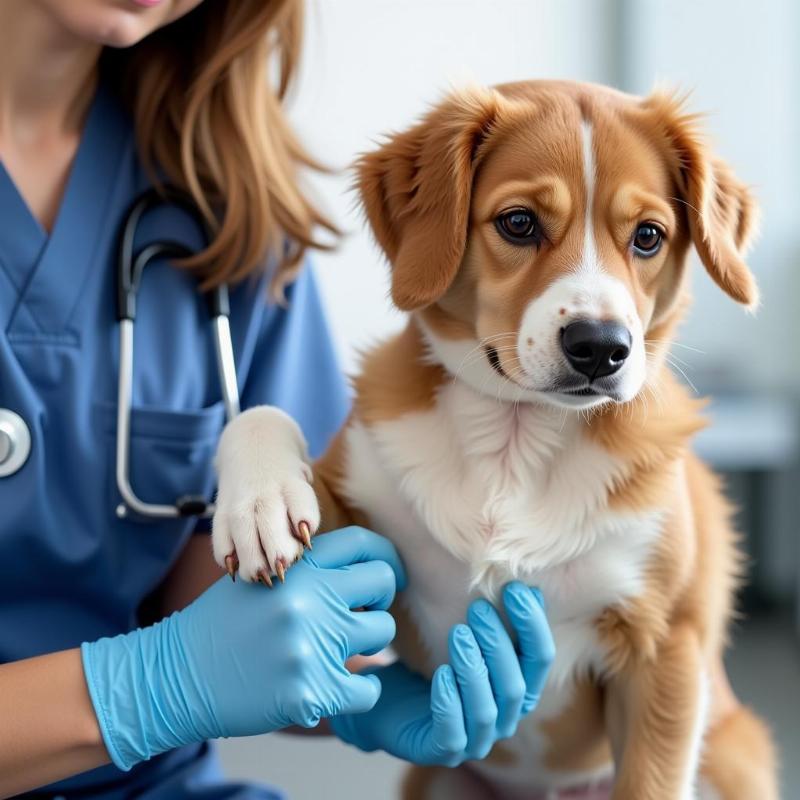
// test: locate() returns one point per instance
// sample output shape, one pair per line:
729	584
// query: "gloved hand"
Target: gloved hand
476	699
243	659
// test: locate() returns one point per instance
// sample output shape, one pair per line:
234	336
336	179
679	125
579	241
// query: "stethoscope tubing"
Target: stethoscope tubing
130	271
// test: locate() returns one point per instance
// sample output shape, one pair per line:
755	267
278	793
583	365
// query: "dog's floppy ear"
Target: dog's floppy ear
416	192
721	211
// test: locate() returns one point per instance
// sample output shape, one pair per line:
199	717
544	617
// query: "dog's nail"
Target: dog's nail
280	569
305	534
263	577
231	565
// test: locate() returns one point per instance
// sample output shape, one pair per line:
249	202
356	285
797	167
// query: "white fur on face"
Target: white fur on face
466	360
588	293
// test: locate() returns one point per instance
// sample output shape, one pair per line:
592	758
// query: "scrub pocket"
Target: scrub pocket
170	453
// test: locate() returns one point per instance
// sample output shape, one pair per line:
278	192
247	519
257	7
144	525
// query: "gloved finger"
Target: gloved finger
505	673
370	584
354	545
525	610
370	632
448	733
472	676
357	693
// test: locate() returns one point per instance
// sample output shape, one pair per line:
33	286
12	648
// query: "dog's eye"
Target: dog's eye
648	239
518	226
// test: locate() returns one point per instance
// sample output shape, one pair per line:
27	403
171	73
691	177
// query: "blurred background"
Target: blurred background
374	65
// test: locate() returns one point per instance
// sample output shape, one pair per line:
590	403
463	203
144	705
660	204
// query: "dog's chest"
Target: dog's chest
475	493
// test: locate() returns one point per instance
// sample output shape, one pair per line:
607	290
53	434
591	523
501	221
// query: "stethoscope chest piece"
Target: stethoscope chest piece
15	442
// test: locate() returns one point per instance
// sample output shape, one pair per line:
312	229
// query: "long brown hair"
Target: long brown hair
206	96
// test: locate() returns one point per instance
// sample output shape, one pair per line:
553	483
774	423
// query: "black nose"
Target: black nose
595	348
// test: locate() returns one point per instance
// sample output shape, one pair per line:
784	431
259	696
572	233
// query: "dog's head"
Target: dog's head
540	232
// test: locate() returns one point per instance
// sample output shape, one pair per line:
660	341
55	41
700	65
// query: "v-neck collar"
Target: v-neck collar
50	271
22	238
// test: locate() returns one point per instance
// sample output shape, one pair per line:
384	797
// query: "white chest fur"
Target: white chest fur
476	492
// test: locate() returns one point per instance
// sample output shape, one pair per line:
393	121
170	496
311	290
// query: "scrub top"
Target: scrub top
70	570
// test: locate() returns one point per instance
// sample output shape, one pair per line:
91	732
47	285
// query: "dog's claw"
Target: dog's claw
263	577
280	570
305	534
231	565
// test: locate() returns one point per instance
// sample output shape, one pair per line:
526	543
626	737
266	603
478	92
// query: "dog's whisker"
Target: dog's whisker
675	344
672	361
494	336
676	362
476	355
482	342
686	378
672	358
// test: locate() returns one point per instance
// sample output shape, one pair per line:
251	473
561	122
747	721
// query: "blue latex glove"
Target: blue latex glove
476	699
243	659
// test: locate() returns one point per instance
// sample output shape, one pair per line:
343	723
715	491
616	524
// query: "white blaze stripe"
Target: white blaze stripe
590	260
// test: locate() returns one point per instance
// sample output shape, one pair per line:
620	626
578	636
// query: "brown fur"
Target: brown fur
740	759
328	473
576	738
396	379
431	195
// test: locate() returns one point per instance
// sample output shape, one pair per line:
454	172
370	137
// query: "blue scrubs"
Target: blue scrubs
70	570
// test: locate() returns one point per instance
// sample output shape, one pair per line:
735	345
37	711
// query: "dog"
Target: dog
525	425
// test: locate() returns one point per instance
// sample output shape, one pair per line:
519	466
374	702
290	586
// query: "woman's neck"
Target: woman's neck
47	74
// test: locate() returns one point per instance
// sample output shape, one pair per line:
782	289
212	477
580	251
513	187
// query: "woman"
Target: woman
99	99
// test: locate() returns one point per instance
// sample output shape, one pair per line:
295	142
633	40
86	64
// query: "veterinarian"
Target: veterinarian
99	99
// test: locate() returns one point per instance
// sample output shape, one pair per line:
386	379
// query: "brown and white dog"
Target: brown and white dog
525	426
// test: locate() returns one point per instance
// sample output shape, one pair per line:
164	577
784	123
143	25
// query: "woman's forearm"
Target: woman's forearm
48	728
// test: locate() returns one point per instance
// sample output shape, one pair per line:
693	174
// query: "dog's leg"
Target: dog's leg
739	760
657	712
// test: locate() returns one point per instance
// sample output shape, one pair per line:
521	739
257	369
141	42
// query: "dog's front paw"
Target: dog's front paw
266	510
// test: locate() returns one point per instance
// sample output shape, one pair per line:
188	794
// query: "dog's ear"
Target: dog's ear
416	192
722	213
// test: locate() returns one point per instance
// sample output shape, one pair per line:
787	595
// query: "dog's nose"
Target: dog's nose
595	348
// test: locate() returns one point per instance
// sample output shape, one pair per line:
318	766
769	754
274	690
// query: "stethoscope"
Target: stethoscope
130	266
15	439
